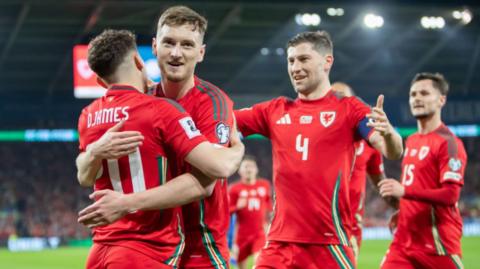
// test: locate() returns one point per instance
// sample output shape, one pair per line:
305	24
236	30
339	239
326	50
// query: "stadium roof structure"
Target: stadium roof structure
245	44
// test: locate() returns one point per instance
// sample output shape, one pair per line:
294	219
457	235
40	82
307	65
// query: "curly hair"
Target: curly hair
108	50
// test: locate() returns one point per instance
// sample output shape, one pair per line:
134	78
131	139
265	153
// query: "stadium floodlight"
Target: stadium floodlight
308	19
264	51
432	22
280	51
331	11
373	21
464	16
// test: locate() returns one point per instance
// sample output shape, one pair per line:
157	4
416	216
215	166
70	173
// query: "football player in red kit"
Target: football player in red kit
143	239
368	161
429	225
250	200
313	140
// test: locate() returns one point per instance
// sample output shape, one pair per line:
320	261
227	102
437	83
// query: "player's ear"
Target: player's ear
328	62
202	53
138	61
443	100
154	46
102	83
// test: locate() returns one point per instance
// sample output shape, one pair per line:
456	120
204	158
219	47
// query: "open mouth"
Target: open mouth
298	78
175	64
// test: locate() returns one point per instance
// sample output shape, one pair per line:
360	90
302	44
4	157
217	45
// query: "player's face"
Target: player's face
248	169
307	68
178	50
425	100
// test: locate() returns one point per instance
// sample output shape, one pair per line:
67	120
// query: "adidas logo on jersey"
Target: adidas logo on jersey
285	119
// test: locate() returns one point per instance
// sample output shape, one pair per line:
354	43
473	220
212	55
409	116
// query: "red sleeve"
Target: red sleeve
176	127
82	127
254	120
447	195
375	163
232	198
215	116
358	116
452	159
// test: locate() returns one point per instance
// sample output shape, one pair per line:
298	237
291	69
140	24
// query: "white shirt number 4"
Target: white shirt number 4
302	146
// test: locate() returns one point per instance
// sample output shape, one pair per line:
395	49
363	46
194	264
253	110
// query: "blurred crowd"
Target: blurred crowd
40	195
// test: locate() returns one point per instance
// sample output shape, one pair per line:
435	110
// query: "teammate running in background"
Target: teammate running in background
143	239
429	226
313	149
178	46
368	161
250	200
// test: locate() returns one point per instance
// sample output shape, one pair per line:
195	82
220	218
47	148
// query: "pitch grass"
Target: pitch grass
74	258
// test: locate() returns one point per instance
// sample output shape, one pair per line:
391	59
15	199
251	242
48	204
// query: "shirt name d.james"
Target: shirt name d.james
107	115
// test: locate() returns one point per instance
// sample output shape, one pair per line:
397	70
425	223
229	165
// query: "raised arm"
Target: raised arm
384	138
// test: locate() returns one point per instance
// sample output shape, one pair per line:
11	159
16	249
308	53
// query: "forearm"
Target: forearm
393	146
447	195
181	190
87	169
216	162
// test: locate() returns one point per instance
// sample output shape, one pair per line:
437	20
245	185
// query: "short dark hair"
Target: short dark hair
321	41
438	80
181	15
108	50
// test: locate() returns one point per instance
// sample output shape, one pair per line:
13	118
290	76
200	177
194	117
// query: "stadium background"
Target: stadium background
39	195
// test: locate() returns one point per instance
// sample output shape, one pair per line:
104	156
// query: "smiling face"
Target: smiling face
178	50
425	100
307	67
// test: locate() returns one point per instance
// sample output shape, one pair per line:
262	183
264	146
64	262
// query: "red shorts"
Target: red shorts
287	255
250	246
104	256
399	257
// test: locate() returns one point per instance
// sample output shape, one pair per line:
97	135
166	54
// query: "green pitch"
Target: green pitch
72	258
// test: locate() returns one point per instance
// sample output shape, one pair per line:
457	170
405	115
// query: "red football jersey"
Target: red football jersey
165	125
429	161
253	216
367	161
206	222
313	151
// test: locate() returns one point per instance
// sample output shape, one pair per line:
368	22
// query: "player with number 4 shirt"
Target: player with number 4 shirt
313	140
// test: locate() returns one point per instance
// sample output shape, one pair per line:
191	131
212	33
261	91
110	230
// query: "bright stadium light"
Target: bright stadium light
331	11
280	51
464	16
457	14
373	21
432	22
308	19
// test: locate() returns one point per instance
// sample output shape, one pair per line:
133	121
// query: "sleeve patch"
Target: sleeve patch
452	176
189	126
454	164
222	131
